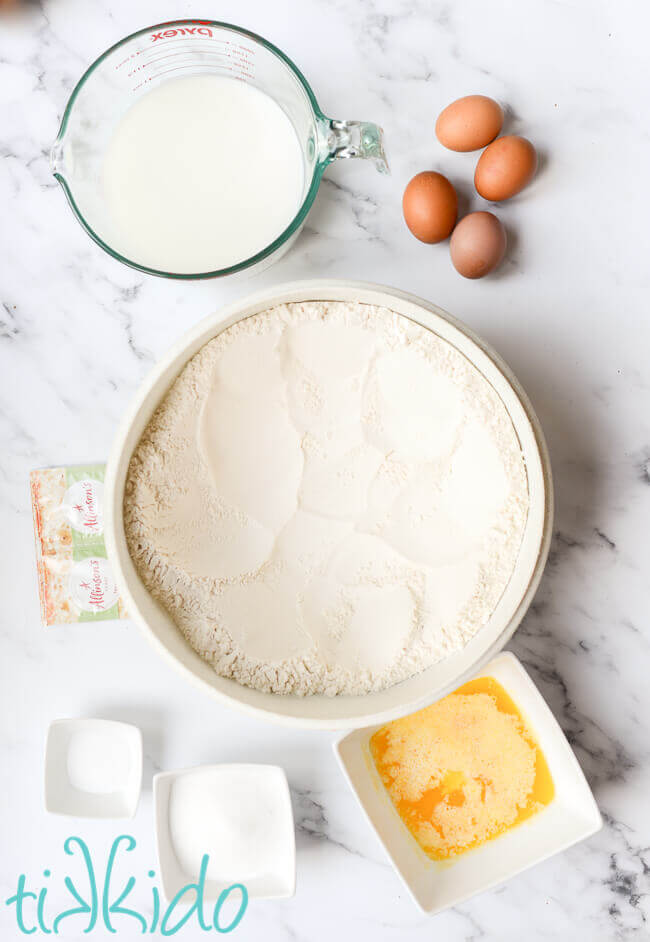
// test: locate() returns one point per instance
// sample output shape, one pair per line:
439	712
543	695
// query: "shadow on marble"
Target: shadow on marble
570	639
561	639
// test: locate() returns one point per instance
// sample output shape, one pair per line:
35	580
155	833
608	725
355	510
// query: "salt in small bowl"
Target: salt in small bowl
93	768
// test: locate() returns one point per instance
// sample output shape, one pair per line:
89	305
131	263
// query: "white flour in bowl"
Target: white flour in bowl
329	499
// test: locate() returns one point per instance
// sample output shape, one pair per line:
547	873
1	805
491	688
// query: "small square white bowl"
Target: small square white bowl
571	816
257	802
93	768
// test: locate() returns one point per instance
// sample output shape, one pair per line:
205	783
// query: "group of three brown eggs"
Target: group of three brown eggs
430	203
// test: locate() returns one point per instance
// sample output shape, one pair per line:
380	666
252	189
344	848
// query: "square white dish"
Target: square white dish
571	816
93	768
240	815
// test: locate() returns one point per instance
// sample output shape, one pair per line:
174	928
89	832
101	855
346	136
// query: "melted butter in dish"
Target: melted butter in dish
329	499
464	770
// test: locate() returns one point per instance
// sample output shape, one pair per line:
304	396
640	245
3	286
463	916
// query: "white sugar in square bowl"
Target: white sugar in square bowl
240	816
571	816
93	768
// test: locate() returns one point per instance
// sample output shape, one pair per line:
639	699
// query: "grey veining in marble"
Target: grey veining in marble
568	310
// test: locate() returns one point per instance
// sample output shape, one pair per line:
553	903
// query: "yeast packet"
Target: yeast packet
75	580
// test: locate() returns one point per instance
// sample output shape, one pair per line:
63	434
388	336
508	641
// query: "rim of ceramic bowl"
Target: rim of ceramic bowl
343	711
265	253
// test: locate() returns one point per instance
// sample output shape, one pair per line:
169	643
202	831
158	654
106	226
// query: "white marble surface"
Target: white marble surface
568	311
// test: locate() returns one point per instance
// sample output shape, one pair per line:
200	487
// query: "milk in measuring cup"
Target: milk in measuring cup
201	173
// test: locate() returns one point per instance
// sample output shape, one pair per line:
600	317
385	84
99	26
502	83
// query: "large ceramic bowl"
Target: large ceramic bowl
436	681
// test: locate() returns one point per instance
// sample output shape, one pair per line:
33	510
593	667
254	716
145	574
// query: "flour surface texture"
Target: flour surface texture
329	499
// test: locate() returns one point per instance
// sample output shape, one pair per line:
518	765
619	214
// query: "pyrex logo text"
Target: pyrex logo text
183	31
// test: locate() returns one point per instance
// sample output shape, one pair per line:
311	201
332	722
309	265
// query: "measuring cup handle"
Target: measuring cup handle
355	139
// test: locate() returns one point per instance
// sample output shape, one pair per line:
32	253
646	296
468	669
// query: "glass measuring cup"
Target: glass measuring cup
144	60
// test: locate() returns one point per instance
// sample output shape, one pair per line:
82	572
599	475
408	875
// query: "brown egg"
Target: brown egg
505	167
430	206
469	123
478	244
